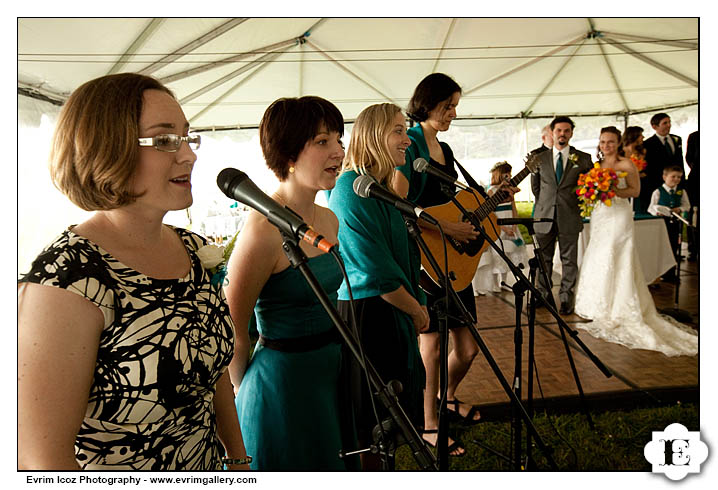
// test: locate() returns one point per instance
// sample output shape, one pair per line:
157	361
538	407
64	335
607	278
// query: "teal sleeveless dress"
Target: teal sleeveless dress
288	403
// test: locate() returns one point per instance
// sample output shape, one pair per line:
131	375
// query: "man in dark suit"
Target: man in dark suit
662	149
693	188
553	186
546	138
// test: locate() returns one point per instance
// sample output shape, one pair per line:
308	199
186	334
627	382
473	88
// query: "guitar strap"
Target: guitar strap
470	180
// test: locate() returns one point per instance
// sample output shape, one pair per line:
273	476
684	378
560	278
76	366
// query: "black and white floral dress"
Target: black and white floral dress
164	345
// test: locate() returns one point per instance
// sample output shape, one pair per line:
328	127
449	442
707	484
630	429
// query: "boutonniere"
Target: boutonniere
679	192
573	160
214	259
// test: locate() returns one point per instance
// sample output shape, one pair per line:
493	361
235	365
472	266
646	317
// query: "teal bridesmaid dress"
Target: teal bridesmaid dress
288	402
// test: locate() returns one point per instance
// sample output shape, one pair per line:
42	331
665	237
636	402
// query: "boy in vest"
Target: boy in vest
666	199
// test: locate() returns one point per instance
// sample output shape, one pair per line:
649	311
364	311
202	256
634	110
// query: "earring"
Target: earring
291	169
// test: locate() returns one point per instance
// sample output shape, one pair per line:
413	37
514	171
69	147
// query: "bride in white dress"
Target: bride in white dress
611	288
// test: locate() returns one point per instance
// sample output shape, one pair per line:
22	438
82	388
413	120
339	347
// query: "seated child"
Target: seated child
666	199
492	269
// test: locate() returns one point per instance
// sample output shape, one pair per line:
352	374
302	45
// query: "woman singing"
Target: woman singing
288	400
382	263
123	342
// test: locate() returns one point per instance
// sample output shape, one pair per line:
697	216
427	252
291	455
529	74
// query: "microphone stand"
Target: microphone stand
386	393
676	312
442	307
536	263
521	278
466	318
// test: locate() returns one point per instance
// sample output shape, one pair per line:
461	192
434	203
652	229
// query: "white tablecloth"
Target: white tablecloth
651	240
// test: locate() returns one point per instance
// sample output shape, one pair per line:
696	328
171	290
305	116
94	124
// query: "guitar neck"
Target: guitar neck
490	204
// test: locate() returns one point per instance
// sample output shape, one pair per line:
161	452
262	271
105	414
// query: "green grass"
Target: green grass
615	444
524	209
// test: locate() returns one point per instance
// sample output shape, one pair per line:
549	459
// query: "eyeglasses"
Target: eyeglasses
171	142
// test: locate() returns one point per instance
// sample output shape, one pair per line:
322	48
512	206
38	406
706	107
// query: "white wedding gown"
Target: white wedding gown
612	291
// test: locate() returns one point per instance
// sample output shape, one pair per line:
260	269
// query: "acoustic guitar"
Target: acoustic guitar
463	258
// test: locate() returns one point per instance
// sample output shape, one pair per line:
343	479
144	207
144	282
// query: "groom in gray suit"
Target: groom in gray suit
553	186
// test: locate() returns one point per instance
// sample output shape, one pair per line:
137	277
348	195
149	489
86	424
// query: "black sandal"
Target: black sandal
452	447
468	419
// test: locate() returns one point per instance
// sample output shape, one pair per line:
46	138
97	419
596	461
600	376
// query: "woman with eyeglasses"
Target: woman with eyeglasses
123	342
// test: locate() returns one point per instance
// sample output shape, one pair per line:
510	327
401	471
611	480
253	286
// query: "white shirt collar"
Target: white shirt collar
669	189
556	151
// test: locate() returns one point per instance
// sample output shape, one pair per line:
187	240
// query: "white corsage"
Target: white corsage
211	256
214	258
573	159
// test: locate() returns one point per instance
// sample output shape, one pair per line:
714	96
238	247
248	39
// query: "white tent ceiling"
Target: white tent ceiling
227	71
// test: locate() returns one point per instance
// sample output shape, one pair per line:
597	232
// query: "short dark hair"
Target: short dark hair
430	92
657	118
94	149
562	119
289	123
672	168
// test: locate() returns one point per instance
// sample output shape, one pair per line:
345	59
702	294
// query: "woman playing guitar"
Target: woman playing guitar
433	106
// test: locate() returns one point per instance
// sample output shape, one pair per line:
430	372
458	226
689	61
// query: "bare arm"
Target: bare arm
252	262
228	429
633	181
401	299
58	337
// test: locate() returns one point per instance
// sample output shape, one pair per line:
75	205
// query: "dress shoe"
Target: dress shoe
566	309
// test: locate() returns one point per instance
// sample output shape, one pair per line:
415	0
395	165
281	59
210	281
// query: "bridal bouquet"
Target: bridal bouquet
597	185
639	162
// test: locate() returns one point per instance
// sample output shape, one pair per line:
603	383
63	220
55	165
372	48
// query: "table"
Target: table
651	240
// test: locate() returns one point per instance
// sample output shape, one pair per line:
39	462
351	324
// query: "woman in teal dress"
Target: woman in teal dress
382	264
288	400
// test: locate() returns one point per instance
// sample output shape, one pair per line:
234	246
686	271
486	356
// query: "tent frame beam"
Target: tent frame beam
653	63
546	55
558	72
140	41
497	118
259	66
232	59
192	45
666	42
443	45
350	72
596	35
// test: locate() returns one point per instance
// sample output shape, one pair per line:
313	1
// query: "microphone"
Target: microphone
238	186
522	221
365	186
421	166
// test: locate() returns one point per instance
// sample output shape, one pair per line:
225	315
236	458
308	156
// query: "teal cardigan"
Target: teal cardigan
417	149
378	252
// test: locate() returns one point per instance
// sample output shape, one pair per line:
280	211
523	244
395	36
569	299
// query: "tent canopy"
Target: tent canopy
225	72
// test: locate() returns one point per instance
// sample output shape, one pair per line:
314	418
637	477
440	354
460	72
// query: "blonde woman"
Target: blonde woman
382	264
